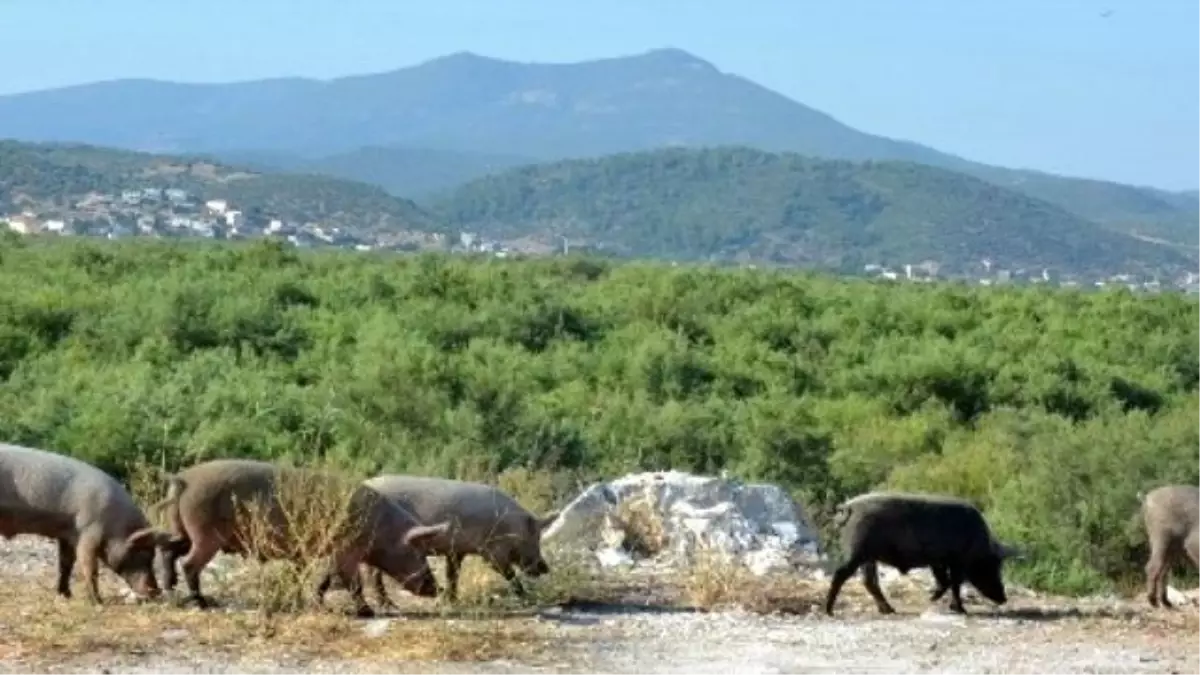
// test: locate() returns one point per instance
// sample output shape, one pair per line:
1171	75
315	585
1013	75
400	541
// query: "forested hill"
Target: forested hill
737	203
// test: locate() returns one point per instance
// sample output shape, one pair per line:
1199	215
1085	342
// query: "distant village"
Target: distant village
986	273
172	212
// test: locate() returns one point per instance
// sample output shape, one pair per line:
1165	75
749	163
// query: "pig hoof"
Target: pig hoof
200	601
364	612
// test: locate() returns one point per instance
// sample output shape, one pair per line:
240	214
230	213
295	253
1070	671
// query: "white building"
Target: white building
234	218
217	206
21	225
55	226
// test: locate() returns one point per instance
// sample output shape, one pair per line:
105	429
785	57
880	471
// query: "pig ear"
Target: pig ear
546	521
419	536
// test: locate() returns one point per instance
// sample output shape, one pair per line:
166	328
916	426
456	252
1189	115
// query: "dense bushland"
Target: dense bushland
1050	408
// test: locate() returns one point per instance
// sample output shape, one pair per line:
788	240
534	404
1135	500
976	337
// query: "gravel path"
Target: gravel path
1031	635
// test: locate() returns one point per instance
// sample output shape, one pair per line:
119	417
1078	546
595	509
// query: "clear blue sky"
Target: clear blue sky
1046	84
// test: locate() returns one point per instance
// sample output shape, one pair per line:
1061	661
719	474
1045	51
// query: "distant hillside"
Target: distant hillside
471	106
55	173
739	203
405	172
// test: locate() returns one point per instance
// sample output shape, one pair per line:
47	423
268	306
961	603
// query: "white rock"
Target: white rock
758	525
377	627
1175	597
613	557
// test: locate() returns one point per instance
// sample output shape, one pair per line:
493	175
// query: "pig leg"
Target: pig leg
373	566
376	562
66	564
870	577
510	575
942	577
380	589
840	575
88	552
498	562
1192	547
172	551
202	551
346	570
1154	568
956	581
453	565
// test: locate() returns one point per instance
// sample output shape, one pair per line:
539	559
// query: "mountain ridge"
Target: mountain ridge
466	104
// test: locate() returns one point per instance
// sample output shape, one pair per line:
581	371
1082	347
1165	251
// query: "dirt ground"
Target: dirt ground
41	633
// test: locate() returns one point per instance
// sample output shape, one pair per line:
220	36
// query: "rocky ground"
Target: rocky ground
39	633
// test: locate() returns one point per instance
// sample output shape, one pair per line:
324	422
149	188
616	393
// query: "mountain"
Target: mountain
52	176
740	203
402	171
477	108
480	110
461	102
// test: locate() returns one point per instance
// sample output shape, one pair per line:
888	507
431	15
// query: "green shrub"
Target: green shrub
1051	409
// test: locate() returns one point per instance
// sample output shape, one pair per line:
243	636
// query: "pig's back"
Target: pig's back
39	481
433	500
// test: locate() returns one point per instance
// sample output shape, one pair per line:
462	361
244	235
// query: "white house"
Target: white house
55	226
217	206
234	218
23	224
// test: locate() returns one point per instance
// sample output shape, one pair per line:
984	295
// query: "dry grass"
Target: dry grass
290	541
641	521
48	630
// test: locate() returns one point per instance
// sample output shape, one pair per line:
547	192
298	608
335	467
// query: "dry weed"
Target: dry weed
54	633
290	541
147	484
645	535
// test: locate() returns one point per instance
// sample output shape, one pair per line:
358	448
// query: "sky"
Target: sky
1102	88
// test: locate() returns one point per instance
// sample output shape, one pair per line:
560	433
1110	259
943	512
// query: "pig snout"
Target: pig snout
535	567
990	586
540	568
